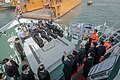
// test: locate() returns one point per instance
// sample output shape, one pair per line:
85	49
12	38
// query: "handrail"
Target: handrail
111	28
2	29
112	34
109	50
105	70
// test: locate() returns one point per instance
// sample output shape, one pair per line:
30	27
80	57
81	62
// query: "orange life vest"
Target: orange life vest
107	45
94	37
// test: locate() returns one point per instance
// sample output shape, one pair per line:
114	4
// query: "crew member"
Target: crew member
94	36
19	49
11	68
18	11
88	64
27	73
87	46
93	50
81	54
68	64
21	34
100	53
42	73
108	43
75	58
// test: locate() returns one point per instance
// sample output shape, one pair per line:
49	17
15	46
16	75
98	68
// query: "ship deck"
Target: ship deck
46	14
39	14
6	51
